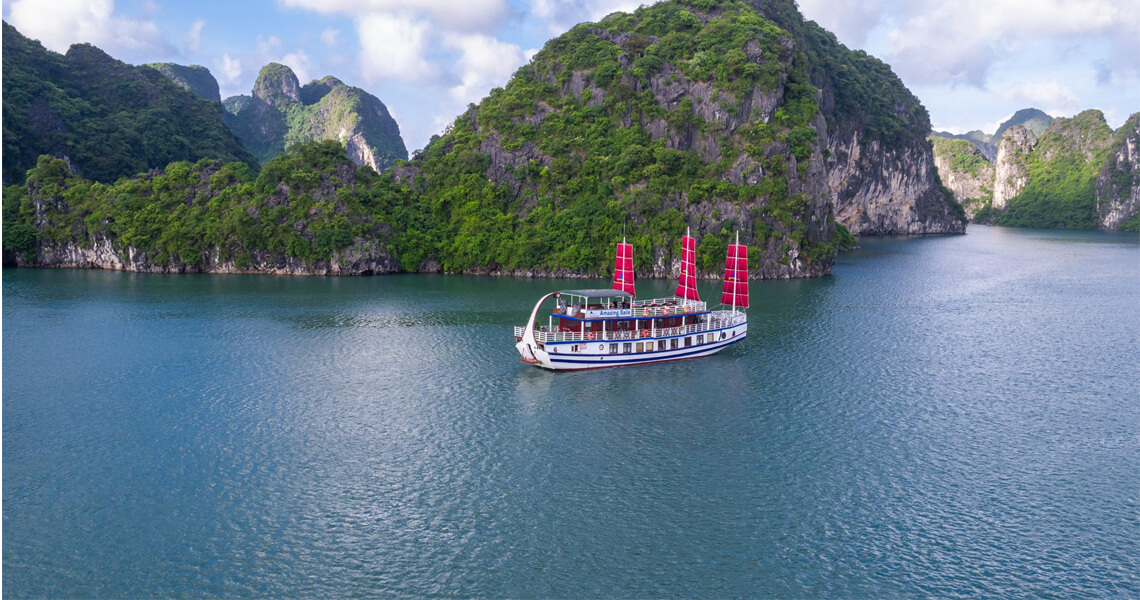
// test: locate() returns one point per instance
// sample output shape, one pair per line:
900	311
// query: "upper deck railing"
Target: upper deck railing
718	320
673	305
638	309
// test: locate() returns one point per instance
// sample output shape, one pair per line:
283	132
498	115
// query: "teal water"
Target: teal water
945	416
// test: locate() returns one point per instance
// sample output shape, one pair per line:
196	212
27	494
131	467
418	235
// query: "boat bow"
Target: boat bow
527	345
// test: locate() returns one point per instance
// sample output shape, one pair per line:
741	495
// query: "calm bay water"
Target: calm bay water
946	416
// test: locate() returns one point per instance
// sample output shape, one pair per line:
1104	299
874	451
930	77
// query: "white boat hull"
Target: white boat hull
575	356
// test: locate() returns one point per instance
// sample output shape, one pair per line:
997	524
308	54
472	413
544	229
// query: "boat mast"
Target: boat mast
734	272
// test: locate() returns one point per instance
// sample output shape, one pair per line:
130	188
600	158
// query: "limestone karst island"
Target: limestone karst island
570	299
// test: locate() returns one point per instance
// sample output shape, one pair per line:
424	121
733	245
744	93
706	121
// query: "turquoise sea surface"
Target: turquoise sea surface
943	416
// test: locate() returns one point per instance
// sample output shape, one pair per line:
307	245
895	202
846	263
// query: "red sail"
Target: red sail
623	268
687	286
736	277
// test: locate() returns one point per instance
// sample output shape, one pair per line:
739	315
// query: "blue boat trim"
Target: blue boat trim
680	314
621	361
641	339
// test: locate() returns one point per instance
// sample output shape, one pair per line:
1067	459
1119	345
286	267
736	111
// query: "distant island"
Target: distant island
1037	171
719	116
281	112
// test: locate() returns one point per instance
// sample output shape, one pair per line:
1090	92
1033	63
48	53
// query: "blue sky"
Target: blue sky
971	62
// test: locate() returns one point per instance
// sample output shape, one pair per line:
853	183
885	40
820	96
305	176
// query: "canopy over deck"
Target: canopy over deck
599	293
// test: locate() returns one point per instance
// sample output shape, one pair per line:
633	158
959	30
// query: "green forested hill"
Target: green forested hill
1061	175
195	78
1033	119
701	114
107	118
1076	174
722	116
304	206
281	112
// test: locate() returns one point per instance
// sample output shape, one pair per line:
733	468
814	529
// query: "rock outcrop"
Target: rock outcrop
1010	169
362	258
878	162
1118	183
281	112
878	190
1032	119
965	171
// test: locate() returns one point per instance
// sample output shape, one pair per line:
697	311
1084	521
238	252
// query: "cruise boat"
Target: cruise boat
599	328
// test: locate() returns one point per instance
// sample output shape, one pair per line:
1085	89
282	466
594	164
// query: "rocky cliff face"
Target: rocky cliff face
1010	169
879	164
1118	183
965	172
362	258
281	112
888	191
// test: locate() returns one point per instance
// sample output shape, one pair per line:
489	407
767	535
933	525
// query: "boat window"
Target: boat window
701	339
722	335
613	348
640	346
688	342
673	343
660	344
627	348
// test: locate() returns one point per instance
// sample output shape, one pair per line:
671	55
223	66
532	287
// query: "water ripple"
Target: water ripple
950	417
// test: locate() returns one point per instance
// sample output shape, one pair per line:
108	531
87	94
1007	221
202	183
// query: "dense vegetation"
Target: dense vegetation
964	157
587	143
281	113
865	93
195	78
593	152
108	118
1062	172
306	204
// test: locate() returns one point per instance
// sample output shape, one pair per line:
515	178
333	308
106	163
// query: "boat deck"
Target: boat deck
717	320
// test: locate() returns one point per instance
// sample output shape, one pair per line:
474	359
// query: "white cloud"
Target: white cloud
269	45
394	47
301	64
956	41
561	15
194	37
851	22
1051	96
61	23
230	68
329	37
468	15
484	62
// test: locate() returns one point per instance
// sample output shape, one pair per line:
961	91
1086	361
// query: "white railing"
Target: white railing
657	307
720	321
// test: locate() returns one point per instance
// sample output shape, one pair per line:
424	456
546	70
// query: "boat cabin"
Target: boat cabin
614	314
